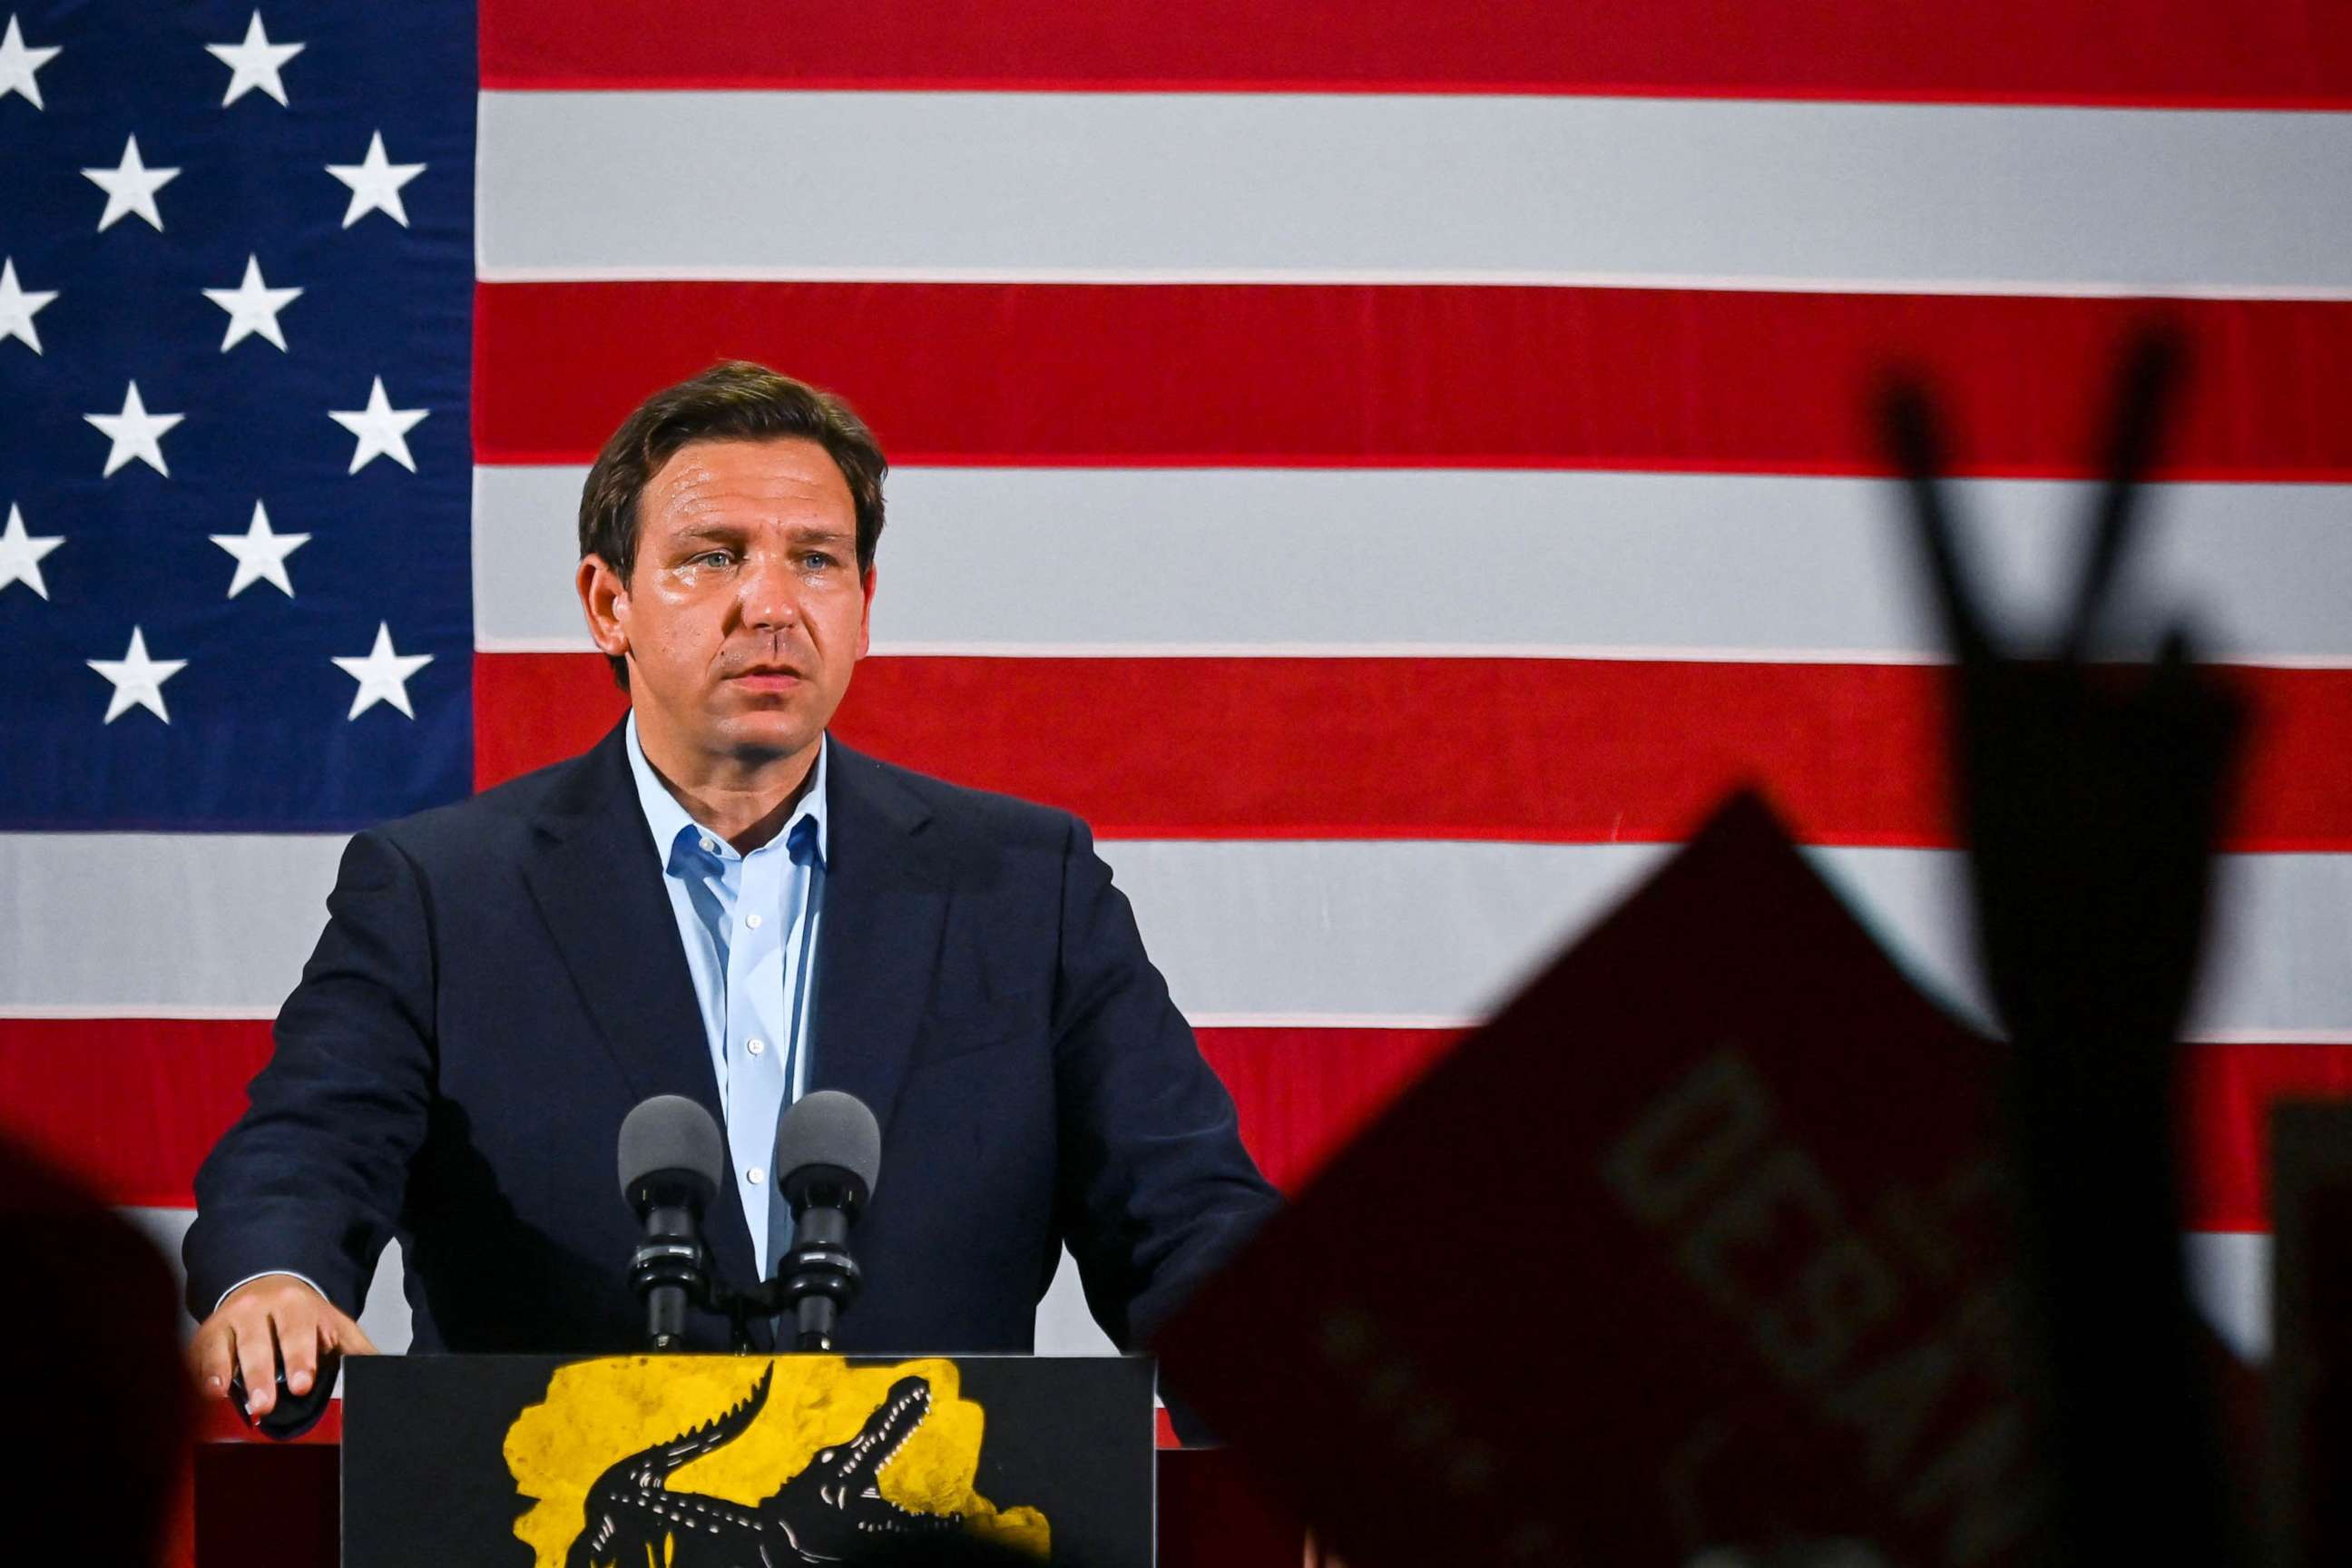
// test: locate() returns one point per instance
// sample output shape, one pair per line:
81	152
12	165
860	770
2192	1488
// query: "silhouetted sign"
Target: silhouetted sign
1698	1245
688	1461
2311	1357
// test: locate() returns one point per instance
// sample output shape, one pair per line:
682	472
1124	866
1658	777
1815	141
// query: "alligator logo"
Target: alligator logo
816	1462
832	1512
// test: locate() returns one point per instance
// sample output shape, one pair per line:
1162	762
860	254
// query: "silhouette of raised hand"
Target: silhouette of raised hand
2090	794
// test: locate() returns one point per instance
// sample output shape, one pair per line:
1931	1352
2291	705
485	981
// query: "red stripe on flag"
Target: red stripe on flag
131	1105
534	708
2227	1092
1413	376
2167	52
1301	1094
1564	751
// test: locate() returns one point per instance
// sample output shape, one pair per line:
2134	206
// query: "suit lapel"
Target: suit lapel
598	885
885	907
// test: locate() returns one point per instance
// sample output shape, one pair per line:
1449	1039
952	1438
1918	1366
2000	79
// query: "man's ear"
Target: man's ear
866	612
604	600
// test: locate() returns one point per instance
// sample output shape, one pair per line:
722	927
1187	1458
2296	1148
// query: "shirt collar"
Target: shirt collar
670	822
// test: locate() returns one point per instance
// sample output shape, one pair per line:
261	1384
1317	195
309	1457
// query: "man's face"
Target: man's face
745	612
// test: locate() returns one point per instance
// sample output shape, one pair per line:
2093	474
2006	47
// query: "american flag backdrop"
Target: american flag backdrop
1389	467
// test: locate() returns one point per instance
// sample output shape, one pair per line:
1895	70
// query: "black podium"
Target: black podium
683	1461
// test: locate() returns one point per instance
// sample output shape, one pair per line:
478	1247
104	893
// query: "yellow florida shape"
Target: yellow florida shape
638	1461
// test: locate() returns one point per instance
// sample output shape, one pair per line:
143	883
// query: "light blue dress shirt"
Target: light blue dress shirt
748	923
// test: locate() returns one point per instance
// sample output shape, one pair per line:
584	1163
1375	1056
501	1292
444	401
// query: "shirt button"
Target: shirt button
755	1175
709	847
751	920
755	1045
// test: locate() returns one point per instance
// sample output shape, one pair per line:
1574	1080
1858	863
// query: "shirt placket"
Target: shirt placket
757	1049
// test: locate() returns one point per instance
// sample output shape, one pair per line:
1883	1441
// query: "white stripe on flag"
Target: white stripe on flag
161	925
1211	561
1420	928
1352	930
1440	187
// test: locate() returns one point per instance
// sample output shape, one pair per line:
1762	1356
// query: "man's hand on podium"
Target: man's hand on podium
262	1324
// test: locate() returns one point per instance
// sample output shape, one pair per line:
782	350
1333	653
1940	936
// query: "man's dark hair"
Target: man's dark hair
732	401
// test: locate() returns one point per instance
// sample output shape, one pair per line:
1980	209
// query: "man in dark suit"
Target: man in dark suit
718	901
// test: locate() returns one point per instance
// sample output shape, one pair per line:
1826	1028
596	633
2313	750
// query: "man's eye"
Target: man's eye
817	561
712	557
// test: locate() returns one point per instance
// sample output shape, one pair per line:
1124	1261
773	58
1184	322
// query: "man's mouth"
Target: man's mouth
767	677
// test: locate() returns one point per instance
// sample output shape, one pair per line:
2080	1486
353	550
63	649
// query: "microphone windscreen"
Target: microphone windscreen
670	1133
830	1128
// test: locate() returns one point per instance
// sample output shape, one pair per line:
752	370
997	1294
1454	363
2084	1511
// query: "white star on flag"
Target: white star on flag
382	430
253	307
375	183
253	63
131	187
19	306
21	552
18	63
135	433
383	674
137	680
260	554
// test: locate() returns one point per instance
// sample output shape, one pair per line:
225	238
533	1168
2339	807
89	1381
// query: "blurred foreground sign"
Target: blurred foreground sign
1699	1246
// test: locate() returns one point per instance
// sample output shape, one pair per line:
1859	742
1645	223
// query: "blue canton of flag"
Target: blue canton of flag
235	307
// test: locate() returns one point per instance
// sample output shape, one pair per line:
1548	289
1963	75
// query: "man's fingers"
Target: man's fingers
1907	425
309	1328
257	1361
299	1334
212	1350
2144	384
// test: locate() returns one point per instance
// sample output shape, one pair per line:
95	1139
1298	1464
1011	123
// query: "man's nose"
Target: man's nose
770	594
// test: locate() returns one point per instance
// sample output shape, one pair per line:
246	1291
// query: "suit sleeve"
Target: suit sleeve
311	1180
1156	1188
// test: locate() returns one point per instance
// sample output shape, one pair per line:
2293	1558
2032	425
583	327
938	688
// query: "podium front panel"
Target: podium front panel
684	1461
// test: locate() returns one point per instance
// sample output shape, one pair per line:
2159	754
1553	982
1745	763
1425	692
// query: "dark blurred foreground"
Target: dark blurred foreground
89	1356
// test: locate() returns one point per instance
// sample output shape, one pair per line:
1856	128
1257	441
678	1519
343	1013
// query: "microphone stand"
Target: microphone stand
814	1283
672	1254
818	1280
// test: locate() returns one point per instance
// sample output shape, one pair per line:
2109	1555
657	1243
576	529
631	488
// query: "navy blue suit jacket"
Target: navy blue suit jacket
501	980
